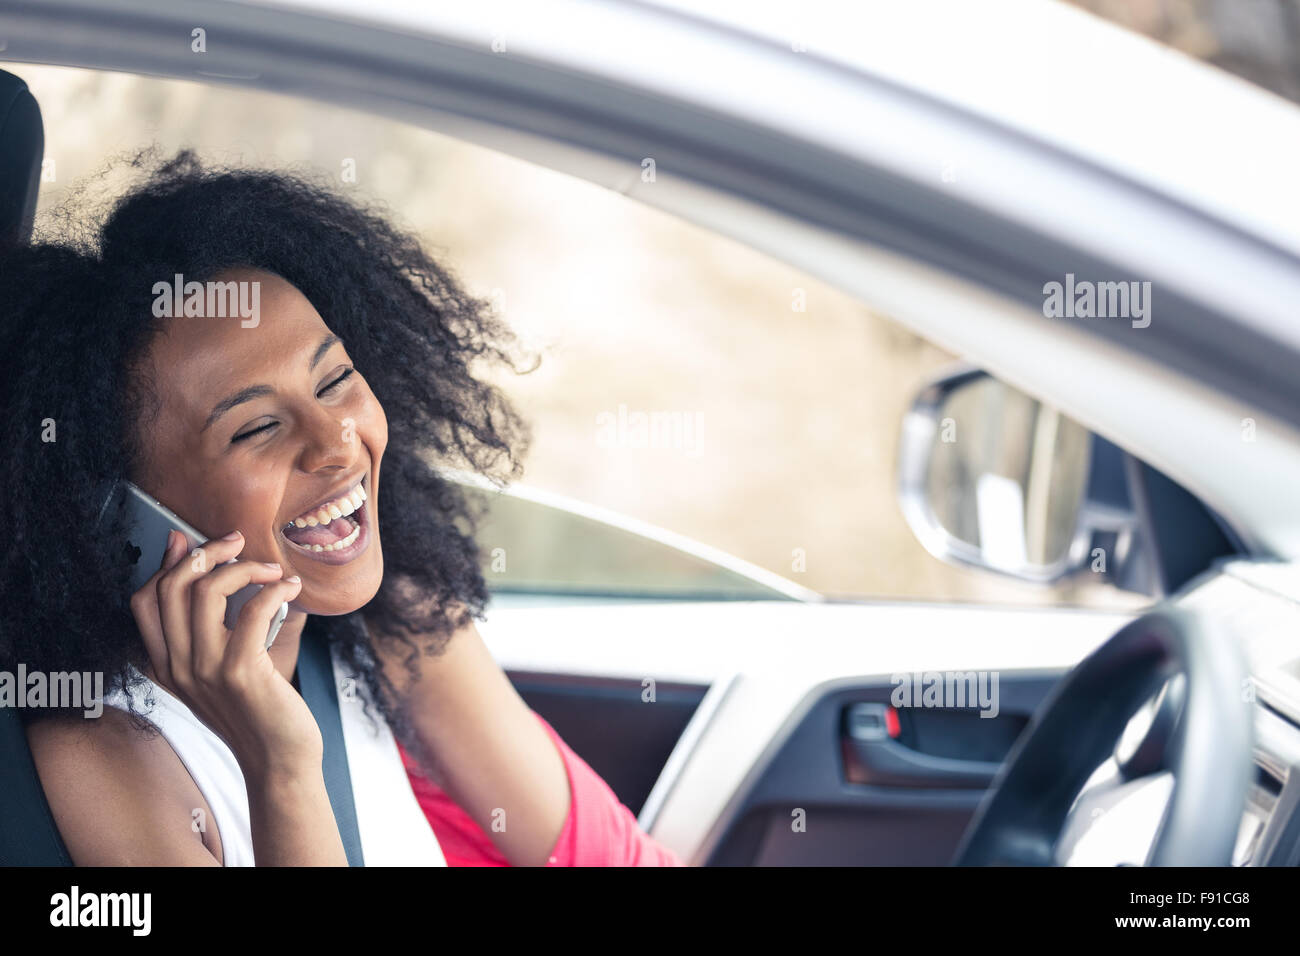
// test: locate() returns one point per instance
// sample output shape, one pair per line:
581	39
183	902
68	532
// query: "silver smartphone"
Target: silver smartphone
151	520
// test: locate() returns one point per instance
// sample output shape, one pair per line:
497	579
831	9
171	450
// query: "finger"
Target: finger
249	637
144	607
176	548
217	551
208	609
174	599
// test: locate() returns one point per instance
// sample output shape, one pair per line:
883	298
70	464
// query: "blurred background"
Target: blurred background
786	397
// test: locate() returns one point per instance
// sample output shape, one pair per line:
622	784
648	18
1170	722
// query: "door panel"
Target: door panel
608	723
842	790
769	735
839	836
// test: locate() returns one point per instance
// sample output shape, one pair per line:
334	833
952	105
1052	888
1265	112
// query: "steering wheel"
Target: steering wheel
1201	734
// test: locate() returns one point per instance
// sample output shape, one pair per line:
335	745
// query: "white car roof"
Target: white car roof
1065	77
1052	72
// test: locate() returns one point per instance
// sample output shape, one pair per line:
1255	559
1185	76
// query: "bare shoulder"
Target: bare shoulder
120	796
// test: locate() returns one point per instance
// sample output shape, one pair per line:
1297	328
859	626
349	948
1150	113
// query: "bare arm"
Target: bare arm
120	798
292	820
495	759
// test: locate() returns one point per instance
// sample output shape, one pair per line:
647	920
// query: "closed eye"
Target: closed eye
336	383
332	386
255	431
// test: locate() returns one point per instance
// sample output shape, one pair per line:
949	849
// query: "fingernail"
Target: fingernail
272	565
232	536
294	580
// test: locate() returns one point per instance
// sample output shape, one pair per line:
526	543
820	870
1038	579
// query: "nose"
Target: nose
328	443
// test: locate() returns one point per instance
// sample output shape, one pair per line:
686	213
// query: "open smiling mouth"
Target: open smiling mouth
334	532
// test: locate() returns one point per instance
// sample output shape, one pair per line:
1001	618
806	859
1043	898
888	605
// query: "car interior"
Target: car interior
893	786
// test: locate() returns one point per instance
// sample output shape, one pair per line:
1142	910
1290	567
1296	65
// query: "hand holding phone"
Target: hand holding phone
224	675
151	521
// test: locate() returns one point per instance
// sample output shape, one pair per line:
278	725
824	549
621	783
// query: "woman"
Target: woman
302	432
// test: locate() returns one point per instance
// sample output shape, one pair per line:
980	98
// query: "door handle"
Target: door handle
873	756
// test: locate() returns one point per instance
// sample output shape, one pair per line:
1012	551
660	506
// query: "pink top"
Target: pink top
599	830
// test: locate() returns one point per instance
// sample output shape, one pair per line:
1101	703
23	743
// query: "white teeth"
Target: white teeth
339	545
338	508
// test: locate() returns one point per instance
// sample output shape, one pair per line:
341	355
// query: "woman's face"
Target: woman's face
262	430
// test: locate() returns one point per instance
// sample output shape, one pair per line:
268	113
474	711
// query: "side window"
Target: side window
708	422
607	555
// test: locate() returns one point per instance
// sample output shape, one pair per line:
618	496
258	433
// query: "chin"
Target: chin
332	599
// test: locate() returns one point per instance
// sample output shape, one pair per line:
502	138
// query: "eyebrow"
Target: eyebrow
257	391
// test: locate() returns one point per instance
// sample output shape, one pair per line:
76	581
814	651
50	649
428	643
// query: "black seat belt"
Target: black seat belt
316	684
28	834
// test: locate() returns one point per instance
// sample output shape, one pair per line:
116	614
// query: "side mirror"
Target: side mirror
991	478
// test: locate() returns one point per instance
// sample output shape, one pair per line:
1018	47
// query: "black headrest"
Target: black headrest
28	835
22	144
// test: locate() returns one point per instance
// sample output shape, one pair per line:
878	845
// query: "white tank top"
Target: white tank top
393	829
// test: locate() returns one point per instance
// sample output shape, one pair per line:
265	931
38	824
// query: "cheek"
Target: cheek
217	503
255	500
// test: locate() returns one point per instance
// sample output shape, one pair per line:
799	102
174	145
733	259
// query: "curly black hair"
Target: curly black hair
77	317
